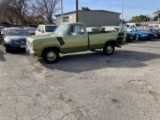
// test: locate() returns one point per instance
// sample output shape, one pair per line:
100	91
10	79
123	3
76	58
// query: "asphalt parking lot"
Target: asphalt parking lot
83	86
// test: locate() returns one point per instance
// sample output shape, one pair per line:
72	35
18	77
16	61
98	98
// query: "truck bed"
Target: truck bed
96	40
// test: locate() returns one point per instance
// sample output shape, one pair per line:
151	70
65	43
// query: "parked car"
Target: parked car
45	29
93	29
129	35
1	28
70	38
149	29
155	26
133	24
141	35
31	30
120	30
15	38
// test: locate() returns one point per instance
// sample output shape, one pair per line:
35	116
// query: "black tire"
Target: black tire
3	43
53	52
137	37
7	49
109	49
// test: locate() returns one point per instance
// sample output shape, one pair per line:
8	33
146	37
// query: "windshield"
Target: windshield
138	25
129	30
30	29
95	29
17	32
62	29
50	28
1	27
156	26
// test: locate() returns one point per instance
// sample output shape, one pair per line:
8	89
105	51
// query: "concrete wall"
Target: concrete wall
93	18
72	18
98	19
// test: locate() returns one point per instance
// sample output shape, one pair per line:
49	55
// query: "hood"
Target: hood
16	37
35	37
145	32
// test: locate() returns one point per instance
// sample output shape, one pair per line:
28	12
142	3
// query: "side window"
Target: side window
76	30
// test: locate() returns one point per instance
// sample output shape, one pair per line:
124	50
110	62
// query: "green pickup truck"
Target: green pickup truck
70	38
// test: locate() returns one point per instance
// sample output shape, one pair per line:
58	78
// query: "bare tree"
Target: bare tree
20	7
47	8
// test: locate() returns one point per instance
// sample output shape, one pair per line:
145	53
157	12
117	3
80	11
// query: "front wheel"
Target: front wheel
7	49
109	49
50	56
137	38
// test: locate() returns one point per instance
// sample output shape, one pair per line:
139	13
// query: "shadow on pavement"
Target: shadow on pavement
18	52
94	61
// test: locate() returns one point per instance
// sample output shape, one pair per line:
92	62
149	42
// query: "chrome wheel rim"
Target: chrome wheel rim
109	49
137	37
51	56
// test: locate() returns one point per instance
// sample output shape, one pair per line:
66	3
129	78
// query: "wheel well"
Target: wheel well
50	48
113	42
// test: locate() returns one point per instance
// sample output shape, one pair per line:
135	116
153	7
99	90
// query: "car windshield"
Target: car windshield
95	29
1	27
129	29
30	29
138	25
156	26
50	28
62	29
17	32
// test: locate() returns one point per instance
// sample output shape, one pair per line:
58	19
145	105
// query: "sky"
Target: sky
131	7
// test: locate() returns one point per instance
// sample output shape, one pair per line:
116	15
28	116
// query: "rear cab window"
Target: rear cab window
76	30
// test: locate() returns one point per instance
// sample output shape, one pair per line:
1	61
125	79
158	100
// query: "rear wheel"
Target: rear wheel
109	49
51	55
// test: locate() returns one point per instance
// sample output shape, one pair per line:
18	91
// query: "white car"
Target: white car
93	29
45	29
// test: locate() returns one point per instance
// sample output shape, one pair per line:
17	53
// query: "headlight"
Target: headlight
7	40
145	34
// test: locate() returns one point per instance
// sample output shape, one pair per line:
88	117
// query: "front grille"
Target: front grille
19	42
150	35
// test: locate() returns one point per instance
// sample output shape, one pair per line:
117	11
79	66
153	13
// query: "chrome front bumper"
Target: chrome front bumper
30	52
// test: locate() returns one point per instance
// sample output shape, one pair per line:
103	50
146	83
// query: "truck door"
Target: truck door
121	39
77	39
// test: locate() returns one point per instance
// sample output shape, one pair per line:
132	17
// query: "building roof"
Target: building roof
87	11
157	12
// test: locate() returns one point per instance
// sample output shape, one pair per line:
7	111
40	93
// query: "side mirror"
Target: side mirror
43	31
69	33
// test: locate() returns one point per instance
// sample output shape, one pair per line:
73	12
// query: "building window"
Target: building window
66	19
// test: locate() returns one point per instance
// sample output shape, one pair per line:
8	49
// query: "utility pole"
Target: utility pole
61	11
77	4
122	13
